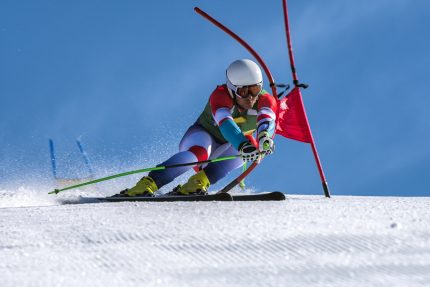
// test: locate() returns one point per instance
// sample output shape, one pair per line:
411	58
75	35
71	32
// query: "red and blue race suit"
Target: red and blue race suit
219	131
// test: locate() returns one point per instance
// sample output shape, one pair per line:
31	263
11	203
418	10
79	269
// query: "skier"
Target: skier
234	111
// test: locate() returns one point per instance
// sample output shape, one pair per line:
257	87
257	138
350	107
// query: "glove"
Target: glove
248	152
266	145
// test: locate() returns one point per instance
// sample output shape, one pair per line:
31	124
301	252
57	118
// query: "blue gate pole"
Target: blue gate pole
53	161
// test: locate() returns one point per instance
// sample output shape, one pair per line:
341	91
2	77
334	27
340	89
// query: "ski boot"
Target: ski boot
197	184
144	187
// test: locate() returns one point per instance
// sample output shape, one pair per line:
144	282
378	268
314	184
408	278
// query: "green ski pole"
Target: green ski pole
242	182
56	191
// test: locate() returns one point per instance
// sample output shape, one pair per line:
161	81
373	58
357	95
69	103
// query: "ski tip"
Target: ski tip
268	196
277	195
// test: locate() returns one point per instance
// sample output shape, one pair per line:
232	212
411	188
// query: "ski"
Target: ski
164	198
276	195
269	196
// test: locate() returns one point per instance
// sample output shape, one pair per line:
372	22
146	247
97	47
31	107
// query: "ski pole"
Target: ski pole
56	191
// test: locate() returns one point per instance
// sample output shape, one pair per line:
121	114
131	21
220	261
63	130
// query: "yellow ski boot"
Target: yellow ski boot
197	184
144	187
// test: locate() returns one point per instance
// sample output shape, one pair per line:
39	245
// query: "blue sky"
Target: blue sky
130	76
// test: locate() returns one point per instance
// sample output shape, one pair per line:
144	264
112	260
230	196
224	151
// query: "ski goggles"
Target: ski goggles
249	91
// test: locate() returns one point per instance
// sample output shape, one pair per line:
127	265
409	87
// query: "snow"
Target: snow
303	241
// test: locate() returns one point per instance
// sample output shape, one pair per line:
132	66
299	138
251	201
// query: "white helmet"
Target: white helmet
242	73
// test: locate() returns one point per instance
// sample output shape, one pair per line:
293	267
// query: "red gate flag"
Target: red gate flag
292	120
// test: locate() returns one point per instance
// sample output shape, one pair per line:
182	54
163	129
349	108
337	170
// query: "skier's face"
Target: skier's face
247	96
247	103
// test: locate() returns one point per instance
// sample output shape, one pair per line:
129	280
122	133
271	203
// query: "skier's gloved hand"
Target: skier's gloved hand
248	151
266	145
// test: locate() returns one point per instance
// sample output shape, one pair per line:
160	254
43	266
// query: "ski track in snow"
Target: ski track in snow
303	241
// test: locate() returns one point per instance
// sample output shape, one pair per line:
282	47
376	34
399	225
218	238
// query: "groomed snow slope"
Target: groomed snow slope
304	241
